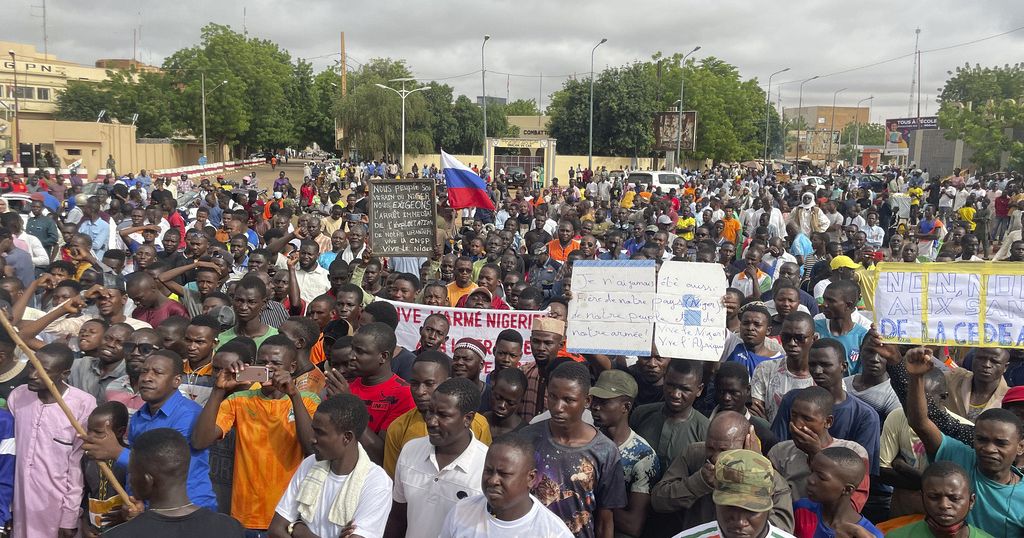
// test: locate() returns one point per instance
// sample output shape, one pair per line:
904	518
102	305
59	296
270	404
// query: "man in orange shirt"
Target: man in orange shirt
732	225
560	247
463	284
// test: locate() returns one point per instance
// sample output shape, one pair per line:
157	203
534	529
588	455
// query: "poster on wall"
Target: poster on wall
897	133
666	129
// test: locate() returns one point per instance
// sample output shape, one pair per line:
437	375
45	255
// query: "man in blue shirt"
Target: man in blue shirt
852	418
165	407
840	320
93	225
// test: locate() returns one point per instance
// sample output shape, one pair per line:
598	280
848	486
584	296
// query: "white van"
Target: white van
649	181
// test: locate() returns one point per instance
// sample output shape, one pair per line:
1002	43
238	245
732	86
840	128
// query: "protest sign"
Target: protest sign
402	217
950	304
690	317
483	325
612	307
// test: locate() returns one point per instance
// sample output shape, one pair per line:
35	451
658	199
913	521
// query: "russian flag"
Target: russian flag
465	187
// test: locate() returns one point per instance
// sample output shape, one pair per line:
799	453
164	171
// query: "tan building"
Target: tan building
819	140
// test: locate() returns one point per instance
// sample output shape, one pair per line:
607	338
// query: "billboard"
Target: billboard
666	130
897	133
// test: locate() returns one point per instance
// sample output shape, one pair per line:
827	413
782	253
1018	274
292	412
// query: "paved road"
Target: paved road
265	176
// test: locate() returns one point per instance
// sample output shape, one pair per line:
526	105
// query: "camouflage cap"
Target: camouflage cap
745	479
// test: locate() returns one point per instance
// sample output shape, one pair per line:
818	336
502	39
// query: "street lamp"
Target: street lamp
14	135
767	110
590	145
679	124
800	113
202	89
403	93
483	84
856	130
832	125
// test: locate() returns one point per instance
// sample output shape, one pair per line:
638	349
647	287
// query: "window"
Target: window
24	92
43	94
76	152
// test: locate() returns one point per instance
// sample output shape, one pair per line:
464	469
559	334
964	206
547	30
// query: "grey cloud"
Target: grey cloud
442	38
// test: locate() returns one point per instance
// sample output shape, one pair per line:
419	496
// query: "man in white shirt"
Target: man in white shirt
356	242
506	509
435	472
338	488
313	280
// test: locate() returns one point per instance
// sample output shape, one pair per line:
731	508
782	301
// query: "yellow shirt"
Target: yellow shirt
684	222
966	214
915	195
411	426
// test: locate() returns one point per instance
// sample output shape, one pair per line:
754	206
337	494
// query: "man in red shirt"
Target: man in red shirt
151	306
386	395
170	206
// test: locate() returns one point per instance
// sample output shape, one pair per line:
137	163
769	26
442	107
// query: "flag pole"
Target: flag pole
104	468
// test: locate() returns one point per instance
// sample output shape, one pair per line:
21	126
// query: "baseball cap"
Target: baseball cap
538	249
1014	395
614	383
651	228
843	261
744	479
483	290
664	219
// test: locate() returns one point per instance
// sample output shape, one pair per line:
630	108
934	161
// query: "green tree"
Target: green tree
323	106
870	134
522	107
623	124
569	117
150	95
82	101
444	127
984	106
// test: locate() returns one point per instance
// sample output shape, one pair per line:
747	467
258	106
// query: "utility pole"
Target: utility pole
832	126
679	120
913	73
16	139
483	85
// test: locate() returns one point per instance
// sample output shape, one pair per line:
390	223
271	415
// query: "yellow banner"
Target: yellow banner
975	304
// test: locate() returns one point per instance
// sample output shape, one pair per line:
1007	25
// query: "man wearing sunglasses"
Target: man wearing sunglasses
125	389
773	378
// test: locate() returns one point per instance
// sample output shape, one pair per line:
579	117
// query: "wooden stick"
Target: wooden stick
104	468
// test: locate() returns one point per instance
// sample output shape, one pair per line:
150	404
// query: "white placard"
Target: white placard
688	310
612	310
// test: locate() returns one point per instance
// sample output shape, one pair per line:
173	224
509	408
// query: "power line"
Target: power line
909	54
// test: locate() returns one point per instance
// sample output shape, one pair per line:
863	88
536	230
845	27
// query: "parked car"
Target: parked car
651	180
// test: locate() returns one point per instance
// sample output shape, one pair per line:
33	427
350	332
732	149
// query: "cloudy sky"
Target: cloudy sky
441	38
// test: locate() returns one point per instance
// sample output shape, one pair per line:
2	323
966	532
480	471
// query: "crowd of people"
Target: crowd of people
233	356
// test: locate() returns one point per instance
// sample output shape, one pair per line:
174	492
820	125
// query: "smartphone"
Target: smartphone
254	374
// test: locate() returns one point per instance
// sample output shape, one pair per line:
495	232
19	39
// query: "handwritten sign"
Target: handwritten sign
612	307
689	313
952	304
402	217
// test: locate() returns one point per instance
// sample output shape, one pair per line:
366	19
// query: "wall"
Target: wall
95	141
562	162
930	150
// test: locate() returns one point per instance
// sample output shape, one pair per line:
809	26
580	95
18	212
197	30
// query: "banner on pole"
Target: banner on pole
975	304
483	325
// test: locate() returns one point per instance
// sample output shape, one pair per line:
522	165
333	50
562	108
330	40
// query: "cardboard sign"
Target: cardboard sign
689	312
612	307
402	217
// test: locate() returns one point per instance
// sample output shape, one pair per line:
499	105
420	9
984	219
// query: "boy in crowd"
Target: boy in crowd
673	424
809	422
248	301
337	490
582	480
159	467
611	401
508	350
775	378
507	388
835	473
273	428
947	498
386	395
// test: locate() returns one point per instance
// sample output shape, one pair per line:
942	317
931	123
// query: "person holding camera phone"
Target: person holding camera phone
273	426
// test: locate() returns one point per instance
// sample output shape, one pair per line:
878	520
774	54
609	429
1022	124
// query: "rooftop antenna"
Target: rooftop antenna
245	29
914	72
46	39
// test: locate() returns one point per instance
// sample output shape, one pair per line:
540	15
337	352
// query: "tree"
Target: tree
82	101
870	134
569	113
522	107
983	107
444	127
